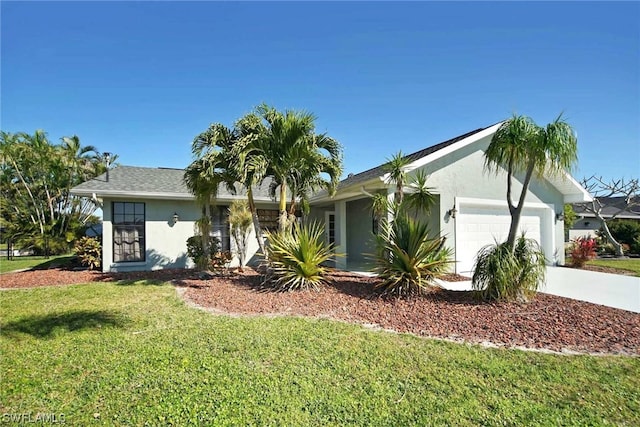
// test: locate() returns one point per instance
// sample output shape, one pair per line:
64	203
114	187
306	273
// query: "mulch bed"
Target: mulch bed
548	322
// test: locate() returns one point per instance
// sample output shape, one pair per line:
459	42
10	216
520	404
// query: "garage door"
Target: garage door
481	225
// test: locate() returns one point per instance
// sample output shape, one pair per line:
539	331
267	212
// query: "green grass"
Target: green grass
632	265
133	354
19	263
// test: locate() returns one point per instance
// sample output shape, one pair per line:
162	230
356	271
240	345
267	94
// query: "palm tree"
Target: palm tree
297	157
204	175
319	157
421	198
396	168
250	164
521	146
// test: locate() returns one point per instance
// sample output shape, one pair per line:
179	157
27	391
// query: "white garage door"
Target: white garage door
481	225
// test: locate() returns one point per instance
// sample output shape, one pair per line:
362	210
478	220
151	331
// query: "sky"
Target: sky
142	79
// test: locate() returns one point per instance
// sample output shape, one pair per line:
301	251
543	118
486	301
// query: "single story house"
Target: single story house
587	224
470	210
148	215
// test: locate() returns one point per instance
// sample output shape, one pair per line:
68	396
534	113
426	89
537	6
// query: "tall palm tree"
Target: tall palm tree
250	163
521	146
319	158
296	156
210	169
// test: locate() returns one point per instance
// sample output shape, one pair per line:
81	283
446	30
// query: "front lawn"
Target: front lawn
136	354
629	264
24	262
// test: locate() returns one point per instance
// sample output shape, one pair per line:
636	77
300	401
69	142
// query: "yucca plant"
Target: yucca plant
407	259
501	274
294	258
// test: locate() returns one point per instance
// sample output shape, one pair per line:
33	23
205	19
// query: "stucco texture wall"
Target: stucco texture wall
165	242
461	174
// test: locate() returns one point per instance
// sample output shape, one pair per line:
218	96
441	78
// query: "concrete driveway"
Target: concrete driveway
612	290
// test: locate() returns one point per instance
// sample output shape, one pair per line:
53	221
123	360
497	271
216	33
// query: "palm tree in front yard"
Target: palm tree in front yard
297	158
515	269
521	146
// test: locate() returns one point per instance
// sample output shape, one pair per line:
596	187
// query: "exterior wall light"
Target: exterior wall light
560	217
175	217
452	212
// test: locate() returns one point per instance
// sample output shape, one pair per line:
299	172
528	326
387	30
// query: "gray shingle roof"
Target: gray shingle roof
610	206
167	182
378	171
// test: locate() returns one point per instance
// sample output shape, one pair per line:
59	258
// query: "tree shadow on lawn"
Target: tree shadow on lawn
68	263
175	276
46	326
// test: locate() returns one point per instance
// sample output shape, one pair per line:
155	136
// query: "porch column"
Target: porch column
341	234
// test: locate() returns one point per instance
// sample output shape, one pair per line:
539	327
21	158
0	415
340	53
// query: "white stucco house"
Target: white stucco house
470	210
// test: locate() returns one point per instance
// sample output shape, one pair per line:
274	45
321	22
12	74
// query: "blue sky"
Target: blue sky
141	79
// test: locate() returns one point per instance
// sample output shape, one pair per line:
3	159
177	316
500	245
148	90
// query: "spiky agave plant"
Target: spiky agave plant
407	259
294	258
502	275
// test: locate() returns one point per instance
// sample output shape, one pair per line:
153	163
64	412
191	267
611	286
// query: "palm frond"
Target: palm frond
295	259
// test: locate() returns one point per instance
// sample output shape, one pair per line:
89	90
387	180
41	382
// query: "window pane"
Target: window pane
128	232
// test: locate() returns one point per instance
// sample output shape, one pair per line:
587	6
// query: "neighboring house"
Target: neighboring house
587	224
470	209
148	215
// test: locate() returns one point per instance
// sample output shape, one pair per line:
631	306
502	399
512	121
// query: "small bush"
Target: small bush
504	275
196	253
583	250
294	258
89	252
407	260
624	230
635	247
219	262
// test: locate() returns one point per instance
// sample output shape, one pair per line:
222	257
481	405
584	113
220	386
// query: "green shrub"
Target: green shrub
196	252
407	260
294	258
219	261
635	246
502	275
624	231
89	252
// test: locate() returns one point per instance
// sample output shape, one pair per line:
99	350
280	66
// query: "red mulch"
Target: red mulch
548	322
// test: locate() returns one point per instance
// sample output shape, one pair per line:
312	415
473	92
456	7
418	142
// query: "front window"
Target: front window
128	232
268	219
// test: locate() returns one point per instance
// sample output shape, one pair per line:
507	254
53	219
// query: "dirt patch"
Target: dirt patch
547	323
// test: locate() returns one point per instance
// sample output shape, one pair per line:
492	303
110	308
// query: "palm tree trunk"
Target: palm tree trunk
609	236
283	218
256	220
205	231
516	213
